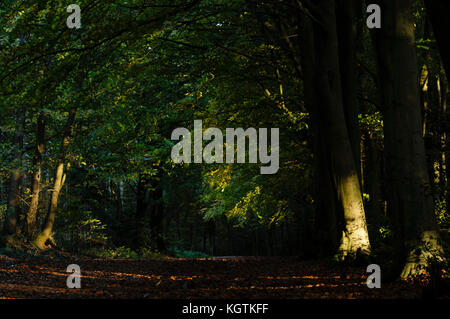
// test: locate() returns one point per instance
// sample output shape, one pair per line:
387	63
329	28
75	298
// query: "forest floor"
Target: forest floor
205	278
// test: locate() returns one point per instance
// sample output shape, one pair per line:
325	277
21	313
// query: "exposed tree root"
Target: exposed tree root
427	253
352	248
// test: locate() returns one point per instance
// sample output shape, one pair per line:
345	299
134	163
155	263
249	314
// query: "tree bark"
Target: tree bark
325	221
410	203
345	12
316	58
44	235
36	182
354	239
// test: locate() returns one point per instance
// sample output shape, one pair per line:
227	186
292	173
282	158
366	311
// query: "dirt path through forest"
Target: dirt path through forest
175	278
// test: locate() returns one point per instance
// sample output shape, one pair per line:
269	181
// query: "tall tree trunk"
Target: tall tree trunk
36	182
317	60
346	28
410	203
10	224
325	222
354	239
44	235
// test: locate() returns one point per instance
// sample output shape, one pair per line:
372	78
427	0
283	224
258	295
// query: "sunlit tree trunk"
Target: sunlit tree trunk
316	60
410	203
44	235
354	239
36	182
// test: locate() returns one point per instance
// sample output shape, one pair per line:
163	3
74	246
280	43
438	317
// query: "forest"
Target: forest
224	148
